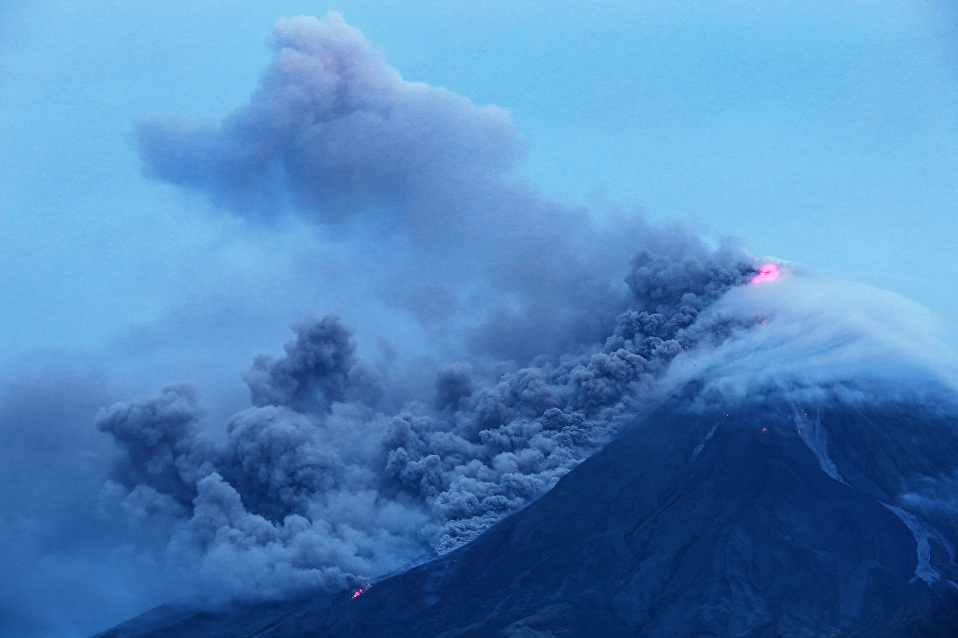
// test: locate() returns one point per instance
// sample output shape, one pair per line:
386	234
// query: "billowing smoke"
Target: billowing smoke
336	131
316	366
411	193
315	485
548	332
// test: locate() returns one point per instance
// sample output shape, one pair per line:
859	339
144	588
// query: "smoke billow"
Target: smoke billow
315	485
410	190
552	331
316	365
336	131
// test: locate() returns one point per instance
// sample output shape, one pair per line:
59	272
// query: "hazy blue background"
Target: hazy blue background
818	132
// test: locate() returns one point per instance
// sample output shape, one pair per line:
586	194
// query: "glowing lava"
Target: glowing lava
768	272
359	591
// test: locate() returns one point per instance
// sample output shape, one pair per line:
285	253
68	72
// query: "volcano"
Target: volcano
755	518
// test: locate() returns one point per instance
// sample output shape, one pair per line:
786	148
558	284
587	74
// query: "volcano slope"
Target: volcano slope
769	519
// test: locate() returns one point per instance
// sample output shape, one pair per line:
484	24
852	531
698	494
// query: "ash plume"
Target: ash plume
548	331
335	130
325	488
316	366
411	193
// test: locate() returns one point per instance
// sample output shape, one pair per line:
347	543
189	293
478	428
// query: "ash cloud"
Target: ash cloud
548	332
519	334
316	485
410	191
316	367
163	448
334	130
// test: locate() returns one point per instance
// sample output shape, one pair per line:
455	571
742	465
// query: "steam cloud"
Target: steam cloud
339	473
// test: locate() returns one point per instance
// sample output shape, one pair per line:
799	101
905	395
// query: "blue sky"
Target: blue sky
820	133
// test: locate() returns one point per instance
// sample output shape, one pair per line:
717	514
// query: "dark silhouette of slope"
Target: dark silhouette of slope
763	521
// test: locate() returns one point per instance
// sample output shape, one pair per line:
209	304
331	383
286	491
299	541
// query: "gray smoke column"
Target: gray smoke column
412	194
316	366
333	491
550	331
315	485
334	477
337	131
